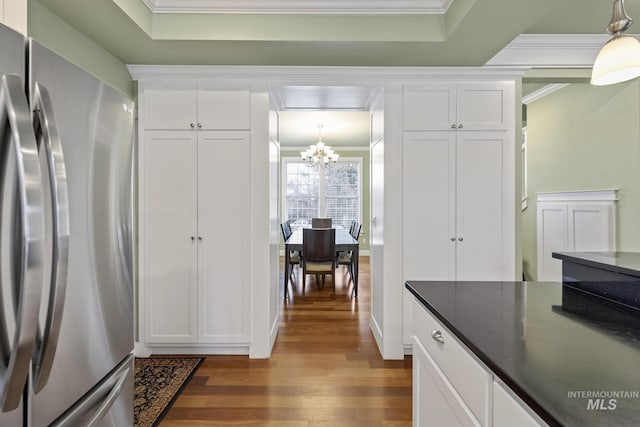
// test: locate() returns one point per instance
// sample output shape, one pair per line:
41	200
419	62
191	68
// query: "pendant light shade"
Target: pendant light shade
619	58
617	61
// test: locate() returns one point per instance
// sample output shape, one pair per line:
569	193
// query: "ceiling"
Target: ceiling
324	33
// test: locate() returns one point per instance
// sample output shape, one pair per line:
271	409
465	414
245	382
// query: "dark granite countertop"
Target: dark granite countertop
617	262
553	345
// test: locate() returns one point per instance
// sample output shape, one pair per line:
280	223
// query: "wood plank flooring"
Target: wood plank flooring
325	370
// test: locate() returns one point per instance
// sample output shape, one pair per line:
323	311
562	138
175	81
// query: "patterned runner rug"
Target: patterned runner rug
158	383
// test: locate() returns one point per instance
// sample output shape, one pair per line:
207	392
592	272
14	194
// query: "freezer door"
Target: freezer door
95	127
21	230
107	404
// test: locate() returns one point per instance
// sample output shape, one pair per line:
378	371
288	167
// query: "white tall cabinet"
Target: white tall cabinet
458	182
195	182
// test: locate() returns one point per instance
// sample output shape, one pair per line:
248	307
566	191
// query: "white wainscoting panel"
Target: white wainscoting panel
580	221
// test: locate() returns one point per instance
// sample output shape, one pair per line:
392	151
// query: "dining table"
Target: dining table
344	242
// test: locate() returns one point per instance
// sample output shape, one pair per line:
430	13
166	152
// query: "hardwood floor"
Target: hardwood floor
325	370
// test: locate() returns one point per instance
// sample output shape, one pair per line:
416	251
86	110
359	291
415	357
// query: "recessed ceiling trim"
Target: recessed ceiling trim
551	50
330	7
293	75
542	92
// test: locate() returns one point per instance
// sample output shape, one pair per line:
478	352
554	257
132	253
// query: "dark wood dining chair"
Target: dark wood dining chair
320	222
319	249
345	258
353	224
355	230
294	256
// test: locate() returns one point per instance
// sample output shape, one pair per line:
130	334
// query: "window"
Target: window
333	192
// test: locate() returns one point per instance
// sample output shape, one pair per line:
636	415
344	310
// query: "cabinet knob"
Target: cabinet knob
193	126
460	239
453	238
199	125
193	238
200	238
460	126
437	335
453	126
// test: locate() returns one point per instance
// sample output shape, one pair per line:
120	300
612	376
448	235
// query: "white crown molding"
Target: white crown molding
551	51
605	195
542	92
324	75
339	7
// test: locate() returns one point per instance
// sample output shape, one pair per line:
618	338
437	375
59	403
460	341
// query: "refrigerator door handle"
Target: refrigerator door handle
91	408
16	117
50	146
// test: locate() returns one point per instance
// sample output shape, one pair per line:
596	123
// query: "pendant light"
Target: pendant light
619	58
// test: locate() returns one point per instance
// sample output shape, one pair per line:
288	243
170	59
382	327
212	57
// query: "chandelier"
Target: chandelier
619	58
319	154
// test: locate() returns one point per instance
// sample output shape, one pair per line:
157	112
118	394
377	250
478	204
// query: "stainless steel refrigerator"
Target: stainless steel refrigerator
66	300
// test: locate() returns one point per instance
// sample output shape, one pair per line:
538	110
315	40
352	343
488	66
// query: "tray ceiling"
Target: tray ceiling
300	6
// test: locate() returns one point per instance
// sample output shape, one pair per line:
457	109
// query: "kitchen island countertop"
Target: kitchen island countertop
558	348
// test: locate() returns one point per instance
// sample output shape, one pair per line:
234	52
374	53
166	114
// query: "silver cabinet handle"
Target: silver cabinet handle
460	239
50	147
23	174
437	335
453	238
460	126
200	238
453	126
193	238
192	125
199	125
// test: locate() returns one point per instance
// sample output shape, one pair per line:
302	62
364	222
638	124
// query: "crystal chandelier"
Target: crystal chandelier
619	58
319	154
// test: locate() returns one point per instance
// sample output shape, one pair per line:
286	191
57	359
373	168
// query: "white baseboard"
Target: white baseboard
377	334
148	350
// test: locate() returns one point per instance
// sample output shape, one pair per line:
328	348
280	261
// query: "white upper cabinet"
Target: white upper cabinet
463	106
199	105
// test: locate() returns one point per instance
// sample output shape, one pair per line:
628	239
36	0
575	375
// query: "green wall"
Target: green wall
585	137
366	211
54	33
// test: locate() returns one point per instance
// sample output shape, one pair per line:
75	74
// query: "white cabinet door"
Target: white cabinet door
461	107
223	225
480	206
170	105
429	107
484	106
170	209
429	206
222	107
454	204
435	401
203	105
508	412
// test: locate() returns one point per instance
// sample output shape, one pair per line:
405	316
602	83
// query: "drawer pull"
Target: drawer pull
437	335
